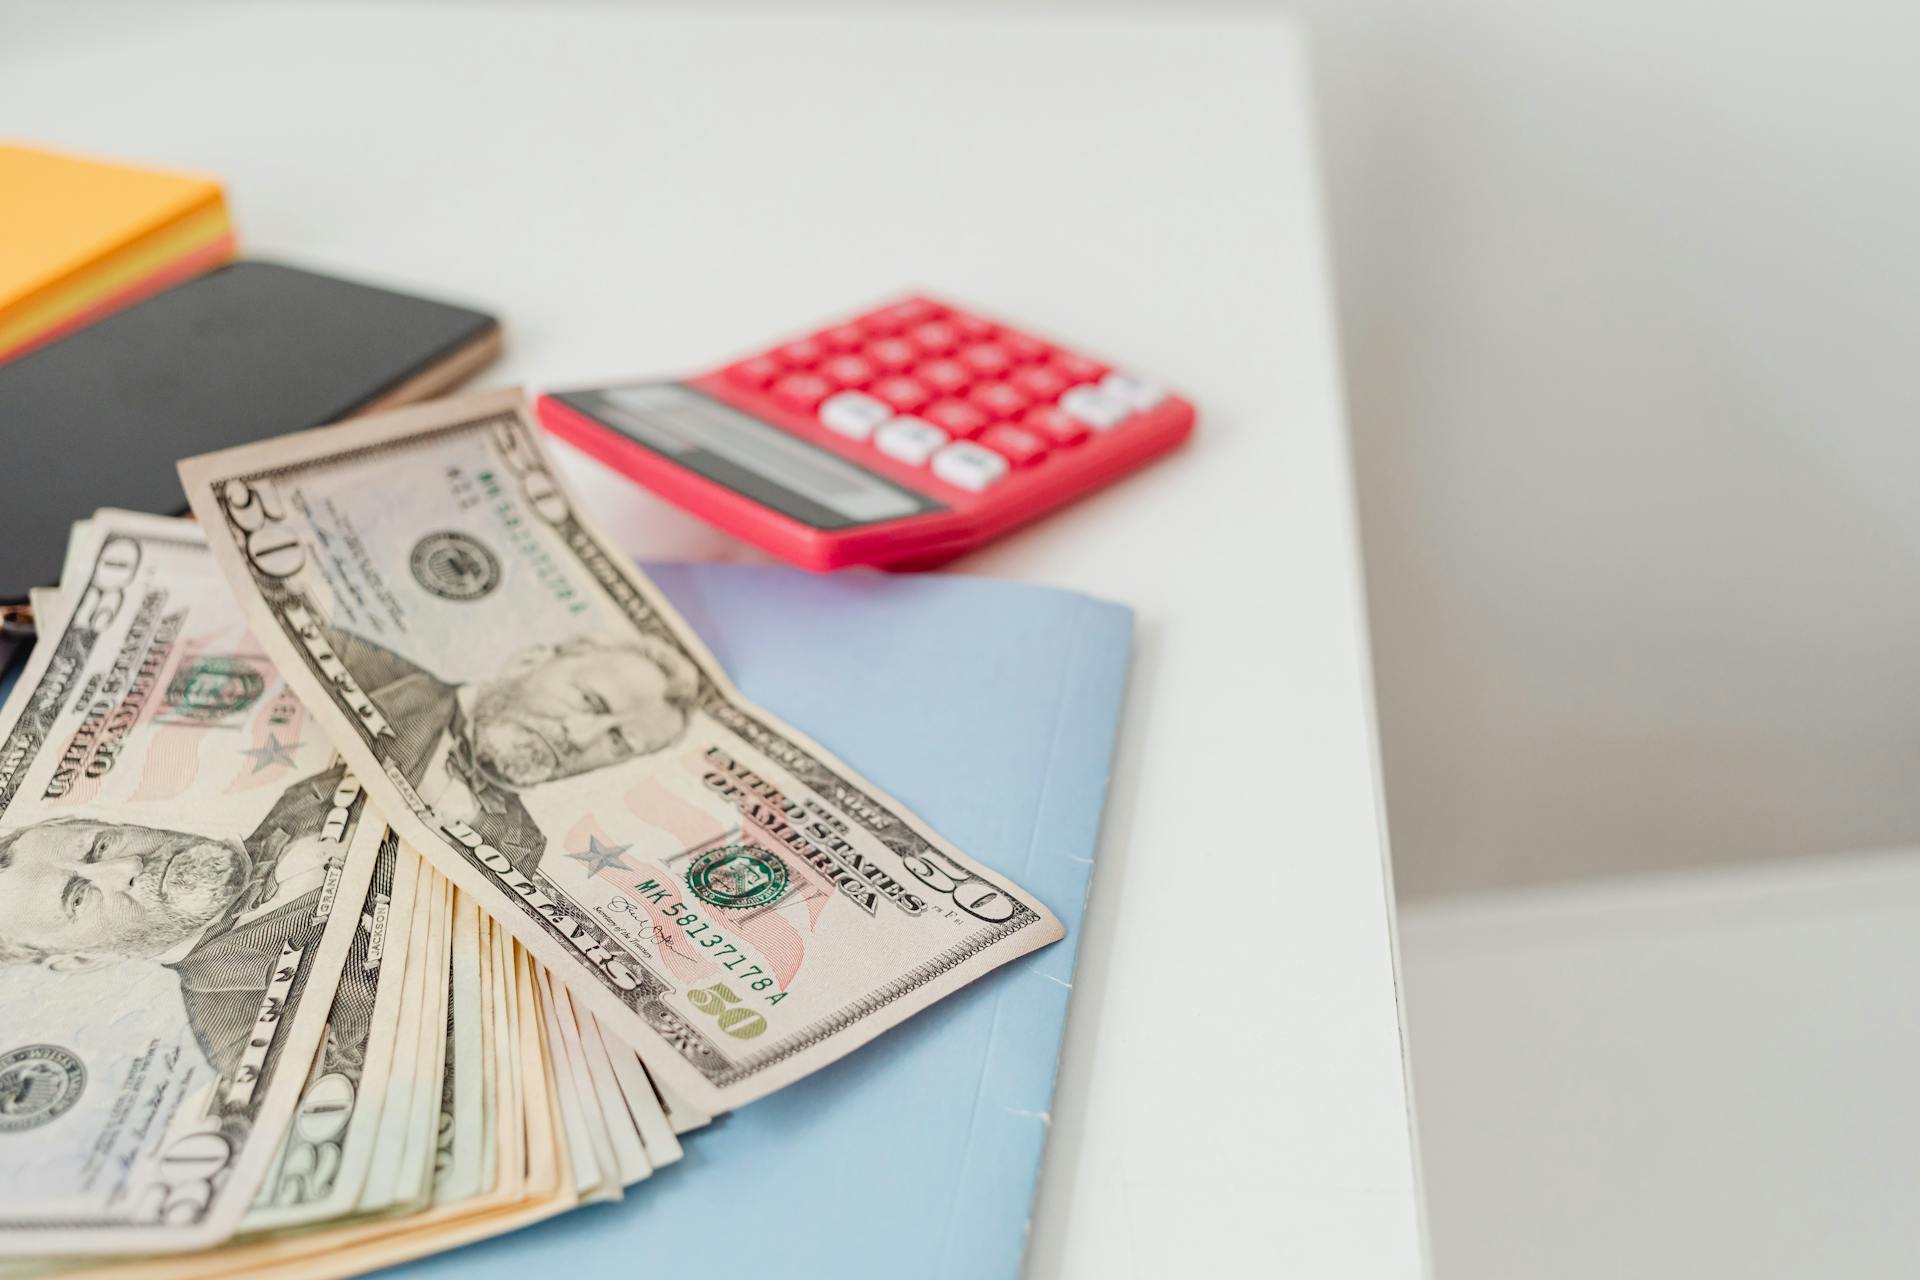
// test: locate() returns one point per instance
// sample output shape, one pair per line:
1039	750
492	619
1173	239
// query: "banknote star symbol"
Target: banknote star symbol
597	857
275	752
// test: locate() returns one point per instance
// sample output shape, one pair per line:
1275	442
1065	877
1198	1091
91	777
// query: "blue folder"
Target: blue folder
990	709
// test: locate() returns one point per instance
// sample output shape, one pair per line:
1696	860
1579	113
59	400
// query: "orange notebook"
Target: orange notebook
81	237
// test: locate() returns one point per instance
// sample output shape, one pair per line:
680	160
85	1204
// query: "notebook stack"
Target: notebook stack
80	238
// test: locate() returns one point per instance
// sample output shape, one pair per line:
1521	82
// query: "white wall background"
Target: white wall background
1632	319
1676	1077
1632	314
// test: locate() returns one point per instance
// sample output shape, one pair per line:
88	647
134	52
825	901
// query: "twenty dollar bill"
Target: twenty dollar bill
530	713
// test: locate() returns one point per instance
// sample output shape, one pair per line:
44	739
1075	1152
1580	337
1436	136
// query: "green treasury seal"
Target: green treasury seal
39	1083
736	876
214	688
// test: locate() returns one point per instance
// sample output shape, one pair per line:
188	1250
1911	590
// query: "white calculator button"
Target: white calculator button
966	465
909	439
1095	407
1132	392
854	414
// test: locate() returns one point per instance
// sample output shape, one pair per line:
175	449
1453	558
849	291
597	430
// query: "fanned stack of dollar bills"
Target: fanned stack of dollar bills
384	865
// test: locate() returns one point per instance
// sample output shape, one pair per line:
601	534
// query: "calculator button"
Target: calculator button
935	337
843	337
1024	349
955	417
908	439
802	390
893	353
1056	425
998	399
1077	368
1017	445
986	357
944	376
1095	408
1132	392
1040	381
805	351
847	370
757	372
971	328
854	414
903	393
966	465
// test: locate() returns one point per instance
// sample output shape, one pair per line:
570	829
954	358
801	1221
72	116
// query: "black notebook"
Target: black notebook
253	349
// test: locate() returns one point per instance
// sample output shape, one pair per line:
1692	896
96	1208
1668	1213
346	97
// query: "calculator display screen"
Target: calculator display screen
751	457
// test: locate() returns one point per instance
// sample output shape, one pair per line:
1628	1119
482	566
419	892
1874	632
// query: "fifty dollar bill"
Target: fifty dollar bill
529	712
182	856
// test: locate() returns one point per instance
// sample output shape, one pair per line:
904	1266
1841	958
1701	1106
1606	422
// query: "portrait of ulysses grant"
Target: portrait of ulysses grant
80	893
553	711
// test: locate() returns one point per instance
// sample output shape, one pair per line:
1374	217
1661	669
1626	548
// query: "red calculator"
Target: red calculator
900	437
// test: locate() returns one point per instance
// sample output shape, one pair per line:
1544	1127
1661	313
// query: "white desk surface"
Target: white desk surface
644	190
